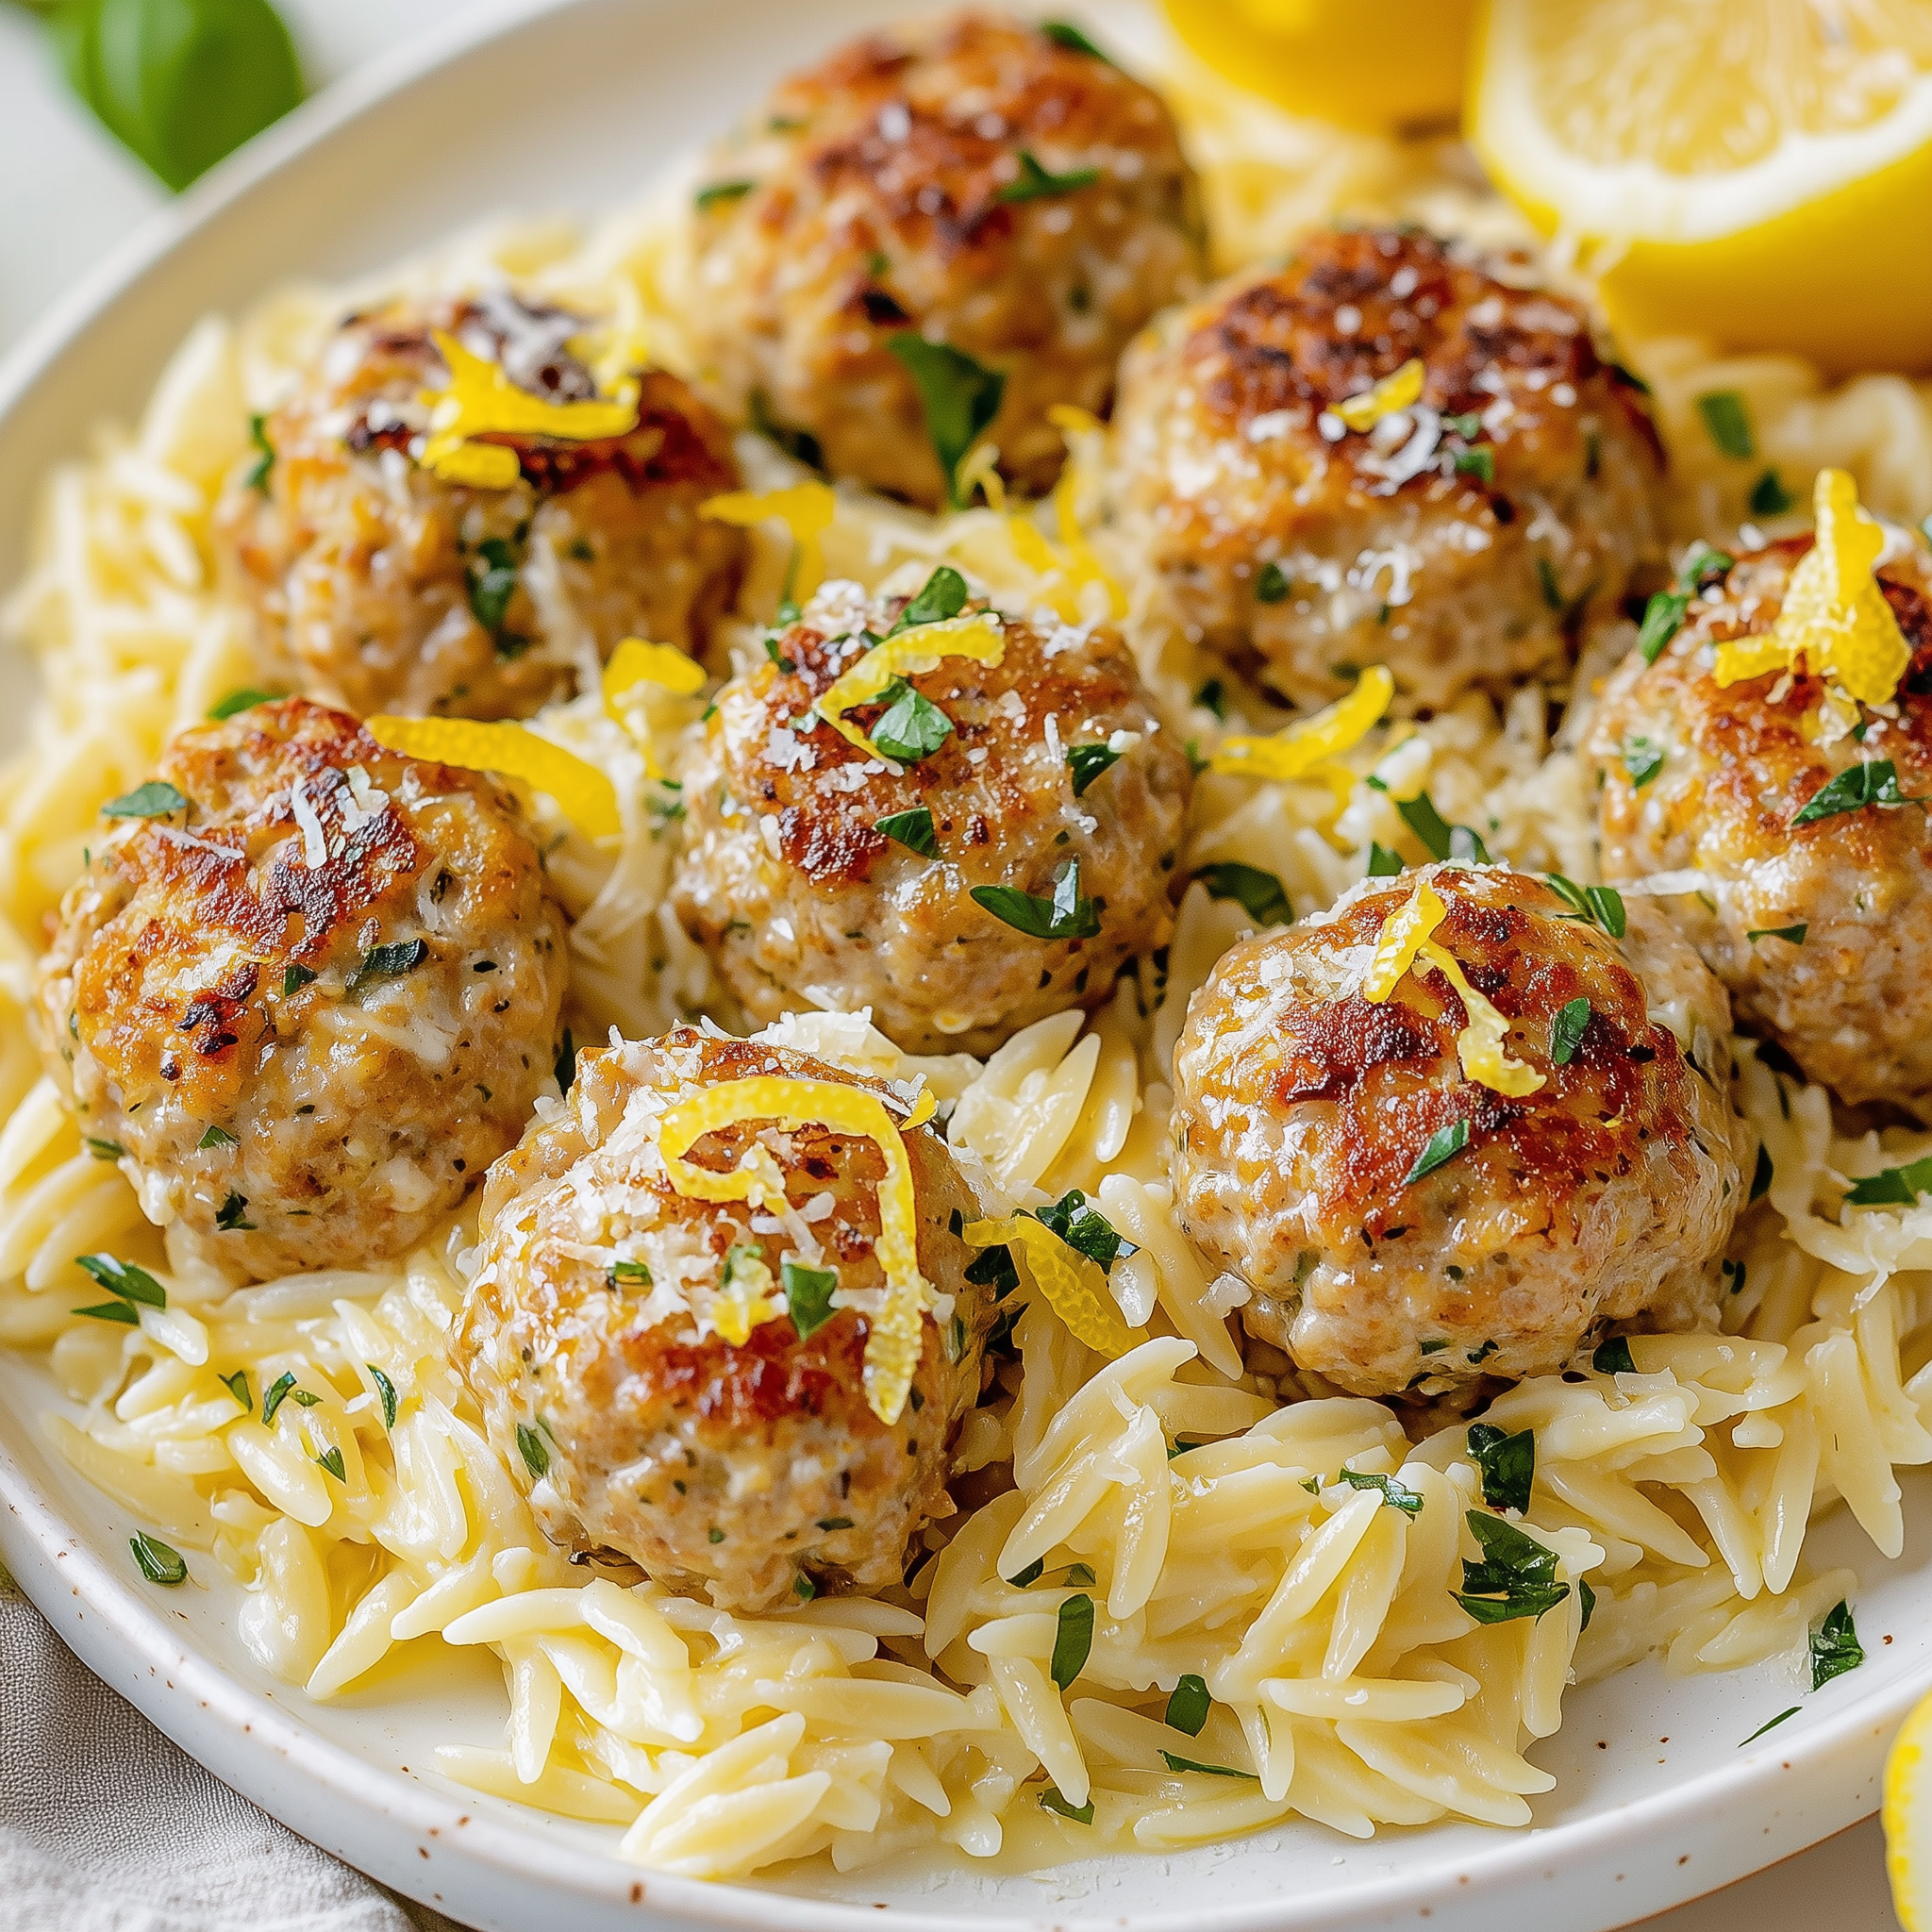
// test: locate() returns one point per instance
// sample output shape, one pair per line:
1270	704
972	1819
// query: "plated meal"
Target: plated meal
1036	1009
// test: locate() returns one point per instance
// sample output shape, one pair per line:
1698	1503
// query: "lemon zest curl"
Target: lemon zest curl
1297	751
582	792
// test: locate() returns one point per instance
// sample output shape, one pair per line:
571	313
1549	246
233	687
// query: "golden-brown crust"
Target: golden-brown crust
719	1467
876	207
1735	767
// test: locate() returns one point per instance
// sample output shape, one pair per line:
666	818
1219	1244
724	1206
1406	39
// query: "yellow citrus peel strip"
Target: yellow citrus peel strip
911	653
1405	940
636	663
583	793
481	400
1835	615
893	1341
806	510
1394	391
1297	751
1073	1284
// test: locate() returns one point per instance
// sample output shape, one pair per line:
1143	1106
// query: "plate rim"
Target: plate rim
57	1565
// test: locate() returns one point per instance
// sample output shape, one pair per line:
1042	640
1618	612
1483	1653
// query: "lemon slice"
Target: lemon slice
1759	171
1908	1814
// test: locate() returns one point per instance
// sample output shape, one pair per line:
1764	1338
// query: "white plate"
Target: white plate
572	107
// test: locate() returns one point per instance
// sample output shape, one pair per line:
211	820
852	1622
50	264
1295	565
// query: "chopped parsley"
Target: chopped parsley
237	1385
389	961
804	1588
1875	782
1023	1579
295	977
1515	1576
1397	1495
1664	617
1441	839
1769	496
1643	759
124	1280
1595	904
265	454
1074	1640
829	1523
628	1274
1065	916
1050	1800
912	727
1613	1357
809	1296
536	1456
1272	584
1547	578
993	1268
1085	1229
231	1217
566	1067
718	192
386	1390
1834	1647
110	1311
1567	1030
1035	183
156	799
331	1460
1704	564
1064	34
216	1137
1087	762
1761	1175
1508	1464
104	1150
1728	422
959	396
1212	697
1383	863
275	1395
1189	1705
1444	1144
1479	463
239	701
912	829
492	582
1259	894
1894	1187
942	595
1792	935
158	1562
1177	1763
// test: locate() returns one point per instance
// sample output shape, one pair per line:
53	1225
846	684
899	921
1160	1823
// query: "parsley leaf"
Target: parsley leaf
1728	422
275	1395
1600	905
491	571
1874	782
1085	1229
1398	1495
1444	1144
124	1280
104	1150
1480	464
718	192
1440	839
1050	1800
1022	1579
1065	916
1087	762
809	1296
331	1460
1613	1357
912	829
231	1217
215	1137
1762	1174
1272	584
389	963
1383	863
1643	759
959	398
1260	892
1792	935
1516	1575
1189	1705
1508	1463
258	470
295	977
1074	1640
1772	1725
1703	563
1894	1187
110	1311
912	727
1567	1030
386	1390
1064	34
1769	496
536	1456
1212	696
942	595
1035	183
154	800
1174	1763
239	701
993	1268
237	1385
566	1067
1834	1647
158	1562
1664	617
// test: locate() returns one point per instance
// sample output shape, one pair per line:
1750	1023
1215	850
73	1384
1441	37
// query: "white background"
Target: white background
68	193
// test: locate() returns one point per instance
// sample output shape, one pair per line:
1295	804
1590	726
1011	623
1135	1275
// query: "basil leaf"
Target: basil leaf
1872	783
1034	1570
386	1390
1606	908
110	1311
809	1296
1050	1800
1085	1229
1270	584
216	1137
1072	1643
1440	839
536	1456
959	396
1586	1597
1772	1725
1260	892
1444	1144
124	1280
1534	1602
255	479
1664	617
912	727
942	596
1613	1357
1174	1763
1479	463
1567	1030
275	1395
1383	863
1515	1576
1769	496
237	1385
1398	1495
1508	1464
295	977
1792	935
331	1460
912	829
718	192
239	701
389	963
1065	916
1728	422
1189	1705
158	1562
156	799
1064	34
994	1269
1034	183
1643	759
1087	762
231	1217
1894	1187
1834	1647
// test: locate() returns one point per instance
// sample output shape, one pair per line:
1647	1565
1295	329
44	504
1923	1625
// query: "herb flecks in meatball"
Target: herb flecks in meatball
971	183
607	1338
1000	861
378	586
1791	813
311	997
1402	1226
1465	530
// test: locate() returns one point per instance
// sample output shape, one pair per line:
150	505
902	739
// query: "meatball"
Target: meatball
1821	930
822	877
592	1331
971	182
307	991
1401	1225
1465	539
380	587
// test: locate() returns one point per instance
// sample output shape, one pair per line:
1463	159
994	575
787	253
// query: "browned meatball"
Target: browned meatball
728	1468
380	587
806	902
1304	1112
1465	539
1822	931
969	180
311	997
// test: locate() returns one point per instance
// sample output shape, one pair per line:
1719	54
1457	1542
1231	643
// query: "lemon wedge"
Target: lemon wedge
1380	64
1908	1814
1758	171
